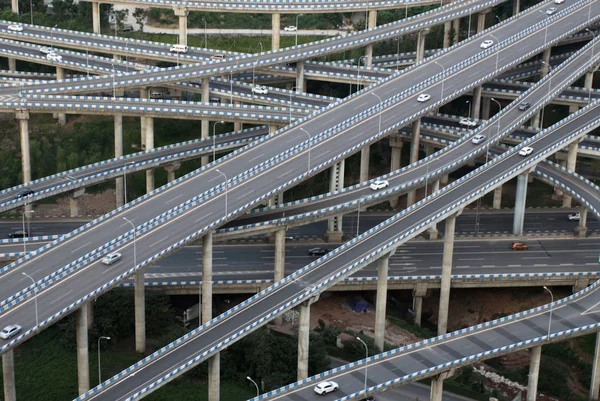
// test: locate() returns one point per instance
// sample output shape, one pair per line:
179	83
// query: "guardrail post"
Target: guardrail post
171	169
571	165
581	229
8	375
83	363
520	201
96	16
299	77
12	64
205	123
497	197
149	135
414	155
419	292
334	224
396	145
595	381
182	13
383	265
446	273
140	312
304	336
534	372
23	116
118	124
371	23
275	30
447	29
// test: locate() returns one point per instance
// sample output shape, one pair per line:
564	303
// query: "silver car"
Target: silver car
10	331
111	258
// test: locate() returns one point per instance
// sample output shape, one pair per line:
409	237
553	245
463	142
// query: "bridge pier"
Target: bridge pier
396	143
205	124
371	23
149	135
300	77
380	308
414	155
277	199
432	231
476	103
437	386
214	363
421	44
589	79
456	26
446	273
279	272
365	157
335	232
23	116
8	375
481	20
118	153
182	13
571	165
140	312
62	117
419	292
14	5
304	337
73	202
447	29
516	7
83	363
485	108
520	201
595	381
96	16
276	30
534	372
497	197
12	64
171	169
581	229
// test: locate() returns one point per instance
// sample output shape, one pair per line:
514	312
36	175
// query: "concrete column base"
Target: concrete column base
580	232
334	236
433	234
497	197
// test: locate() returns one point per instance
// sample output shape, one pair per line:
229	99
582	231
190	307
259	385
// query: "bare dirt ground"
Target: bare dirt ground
90	205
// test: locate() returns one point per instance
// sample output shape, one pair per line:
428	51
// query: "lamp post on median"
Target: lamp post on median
366	362
226	188
254	71
309	138
52	38
443	78
134	238
290	108
99	365
497	50
214	140
256	385
551	305
358	73
37	323
125	181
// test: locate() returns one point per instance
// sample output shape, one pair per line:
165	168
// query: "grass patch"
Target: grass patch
421	332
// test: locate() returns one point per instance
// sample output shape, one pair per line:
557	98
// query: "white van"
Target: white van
179	49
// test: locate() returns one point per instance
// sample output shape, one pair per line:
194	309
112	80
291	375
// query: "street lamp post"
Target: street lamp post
52	37
297	16
358	73
226	188
469	103
546	30
551	305
214	140
99	365
134	238
25	236
256	385
497	50
290	108
443	78
37	323
306	132
366	361
125	181
254	71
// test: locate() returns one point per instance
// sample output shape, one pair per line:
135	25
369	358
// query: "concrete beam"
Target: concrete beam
118	122
182	13
595	381
96	16
140	312
520	202
83	360
276	30
8	375
304	337
446	274
534	371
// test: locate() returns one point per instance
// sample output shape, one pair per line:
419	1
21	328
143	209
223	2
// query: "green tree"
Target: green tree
141	16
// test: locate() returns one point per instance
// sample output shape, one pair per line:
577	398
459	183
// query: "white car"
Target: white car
551	10
477	139
574	216
10	331
111	258
46	50
53	57
15	27
326	387
379	184
290	28
526	151
559	1
487	43
141	67
466	122
260	90
423	97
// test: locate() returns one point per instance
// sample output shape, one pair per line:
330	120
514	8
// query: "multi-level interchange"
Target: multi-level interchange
302	134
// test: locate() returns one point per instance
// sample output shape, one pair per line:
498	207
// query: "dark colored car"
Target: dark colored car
318	251
369	398
25	192
18	234
524	106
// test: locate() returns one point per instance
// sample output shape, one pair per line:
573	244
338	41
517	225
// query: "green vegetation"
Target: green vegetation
421	332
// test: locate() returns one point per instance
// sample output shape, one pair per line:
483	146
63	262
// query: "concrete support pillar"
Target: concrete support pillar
396	145
414	155
485	108
581	229
380	307
83	363
433	231
476	103
276	27
96	16
446	274
437	389
595	381
421	44
73	205
589	80
571	165
207	275
365	156
419	292
371	23
520	202
14	5
481	21
300	76
516	7
214	378
534	372
546	60
23	116
149	135
62	117
8	375
334	224
447	29
182	13
171	169
280	254
497	197
140	312
119	194
456	26
205	124
90	315
12	64
304	337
